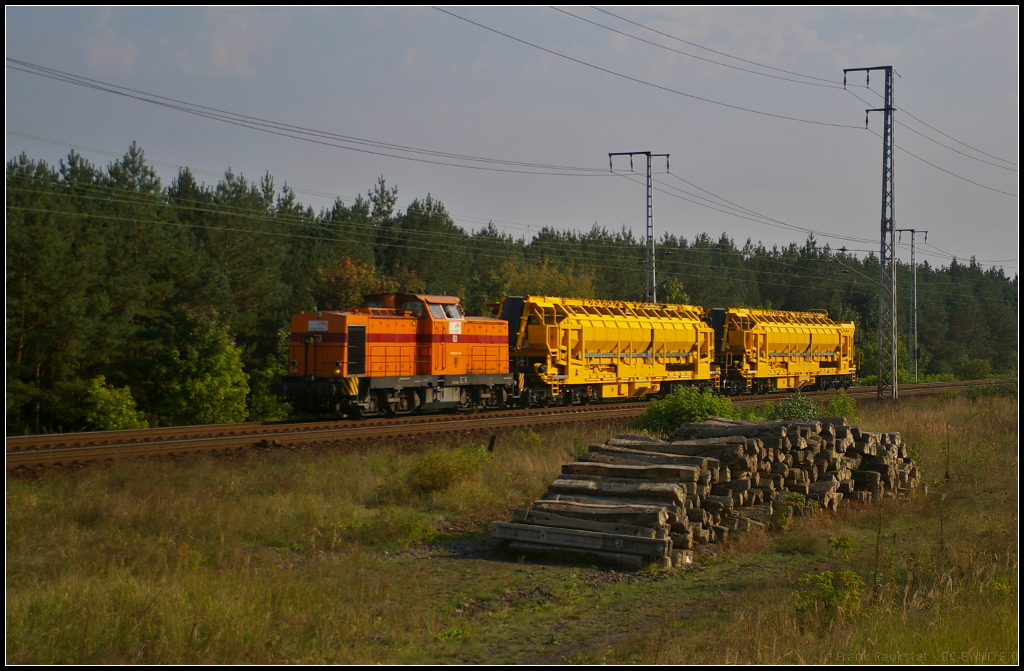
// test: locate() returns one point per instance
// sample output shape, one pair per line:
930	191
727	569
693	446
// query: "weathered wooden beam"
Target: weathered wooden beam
660	472
546	519
625	561
584	540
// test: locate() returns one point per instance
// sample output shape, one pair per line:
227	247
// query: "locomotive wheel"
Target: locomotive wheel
467	405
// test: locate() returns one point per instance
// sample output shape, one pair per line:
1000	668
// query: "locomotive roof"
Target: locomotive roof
427	298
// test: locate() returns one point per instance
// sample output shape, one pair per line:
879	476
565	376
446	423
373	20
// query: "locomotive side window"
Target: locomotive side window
453	311
415	307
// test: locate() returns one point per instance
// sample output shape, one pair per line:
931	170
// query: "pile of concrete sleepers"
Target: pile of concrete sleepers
636	500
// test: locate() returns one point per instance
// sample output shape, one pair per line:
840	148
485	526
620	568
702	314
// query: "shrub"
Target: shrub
1000	389
973	369
828	593
840	546
841	405
109	408
392	527
796	408
437	471
680	407
763	413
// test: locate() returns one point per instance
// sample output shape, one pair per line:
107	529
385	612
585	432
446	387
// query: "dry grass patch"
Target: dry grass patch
265	557
932	580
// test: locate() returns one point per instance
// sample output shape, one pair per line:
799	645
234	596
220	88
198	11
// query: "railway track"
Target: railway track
69	448
82	447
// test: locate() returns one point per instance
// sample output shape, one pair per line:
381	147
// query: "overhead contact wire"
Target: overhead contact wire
643	82
720	53
831	85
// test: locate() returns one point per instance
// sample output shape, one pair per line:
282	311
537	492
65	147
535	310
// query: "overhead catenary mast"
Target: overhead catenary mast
652	284
888	386
913	289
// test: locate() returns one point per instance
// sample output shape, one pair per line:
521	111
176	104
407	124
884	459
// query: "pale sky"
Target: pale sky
423	79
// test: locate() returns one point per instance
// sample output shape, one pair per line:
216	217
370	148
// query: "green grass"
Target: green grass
332	557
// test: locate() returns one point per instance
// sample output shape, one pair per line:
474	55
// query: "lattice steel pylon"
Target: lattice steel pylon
888	385
652	283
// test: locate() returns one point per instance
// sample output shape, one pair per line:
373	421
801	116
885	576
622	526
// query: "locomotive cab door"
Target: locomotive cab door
356	349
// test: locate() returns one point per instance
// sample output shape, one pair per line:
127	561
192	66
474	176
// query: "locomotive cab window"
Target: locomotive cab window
436	311
415	307
452	310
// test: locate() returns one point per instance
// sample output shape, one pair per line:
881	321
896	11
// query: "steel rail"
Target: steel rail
49	456
63	448
177	433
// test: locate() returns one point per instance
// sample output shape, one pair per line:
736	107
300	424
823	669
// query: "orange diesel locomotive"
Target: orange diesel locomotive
396	354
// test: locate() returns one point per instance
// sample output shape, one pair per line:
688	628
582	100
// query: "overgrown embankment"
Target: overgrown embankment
289	557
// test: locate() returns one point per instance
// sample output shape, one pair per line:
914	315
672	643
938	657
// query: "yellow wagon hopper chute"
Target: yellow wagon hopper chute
764	350
578	350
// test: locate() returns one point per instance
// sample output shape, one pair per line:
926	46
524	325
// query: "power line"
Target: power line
288	219
521	226
400	239
756	218
644	82
899	109
953	138
827	81
292	220
344	199
832	85
952	174
373	233
797	74
314	136
761	218
720	53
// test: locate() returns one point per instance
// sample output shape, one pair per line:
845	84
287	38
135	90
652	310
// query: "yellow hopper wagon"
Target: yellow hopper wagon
573	350
763	350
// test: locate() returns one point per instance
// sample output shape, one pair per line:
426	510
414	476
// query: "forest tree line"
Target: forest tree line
131	303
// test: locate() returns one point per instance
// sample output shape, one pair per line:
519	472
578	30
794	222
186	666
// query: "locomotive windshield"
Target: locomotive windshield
445	311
